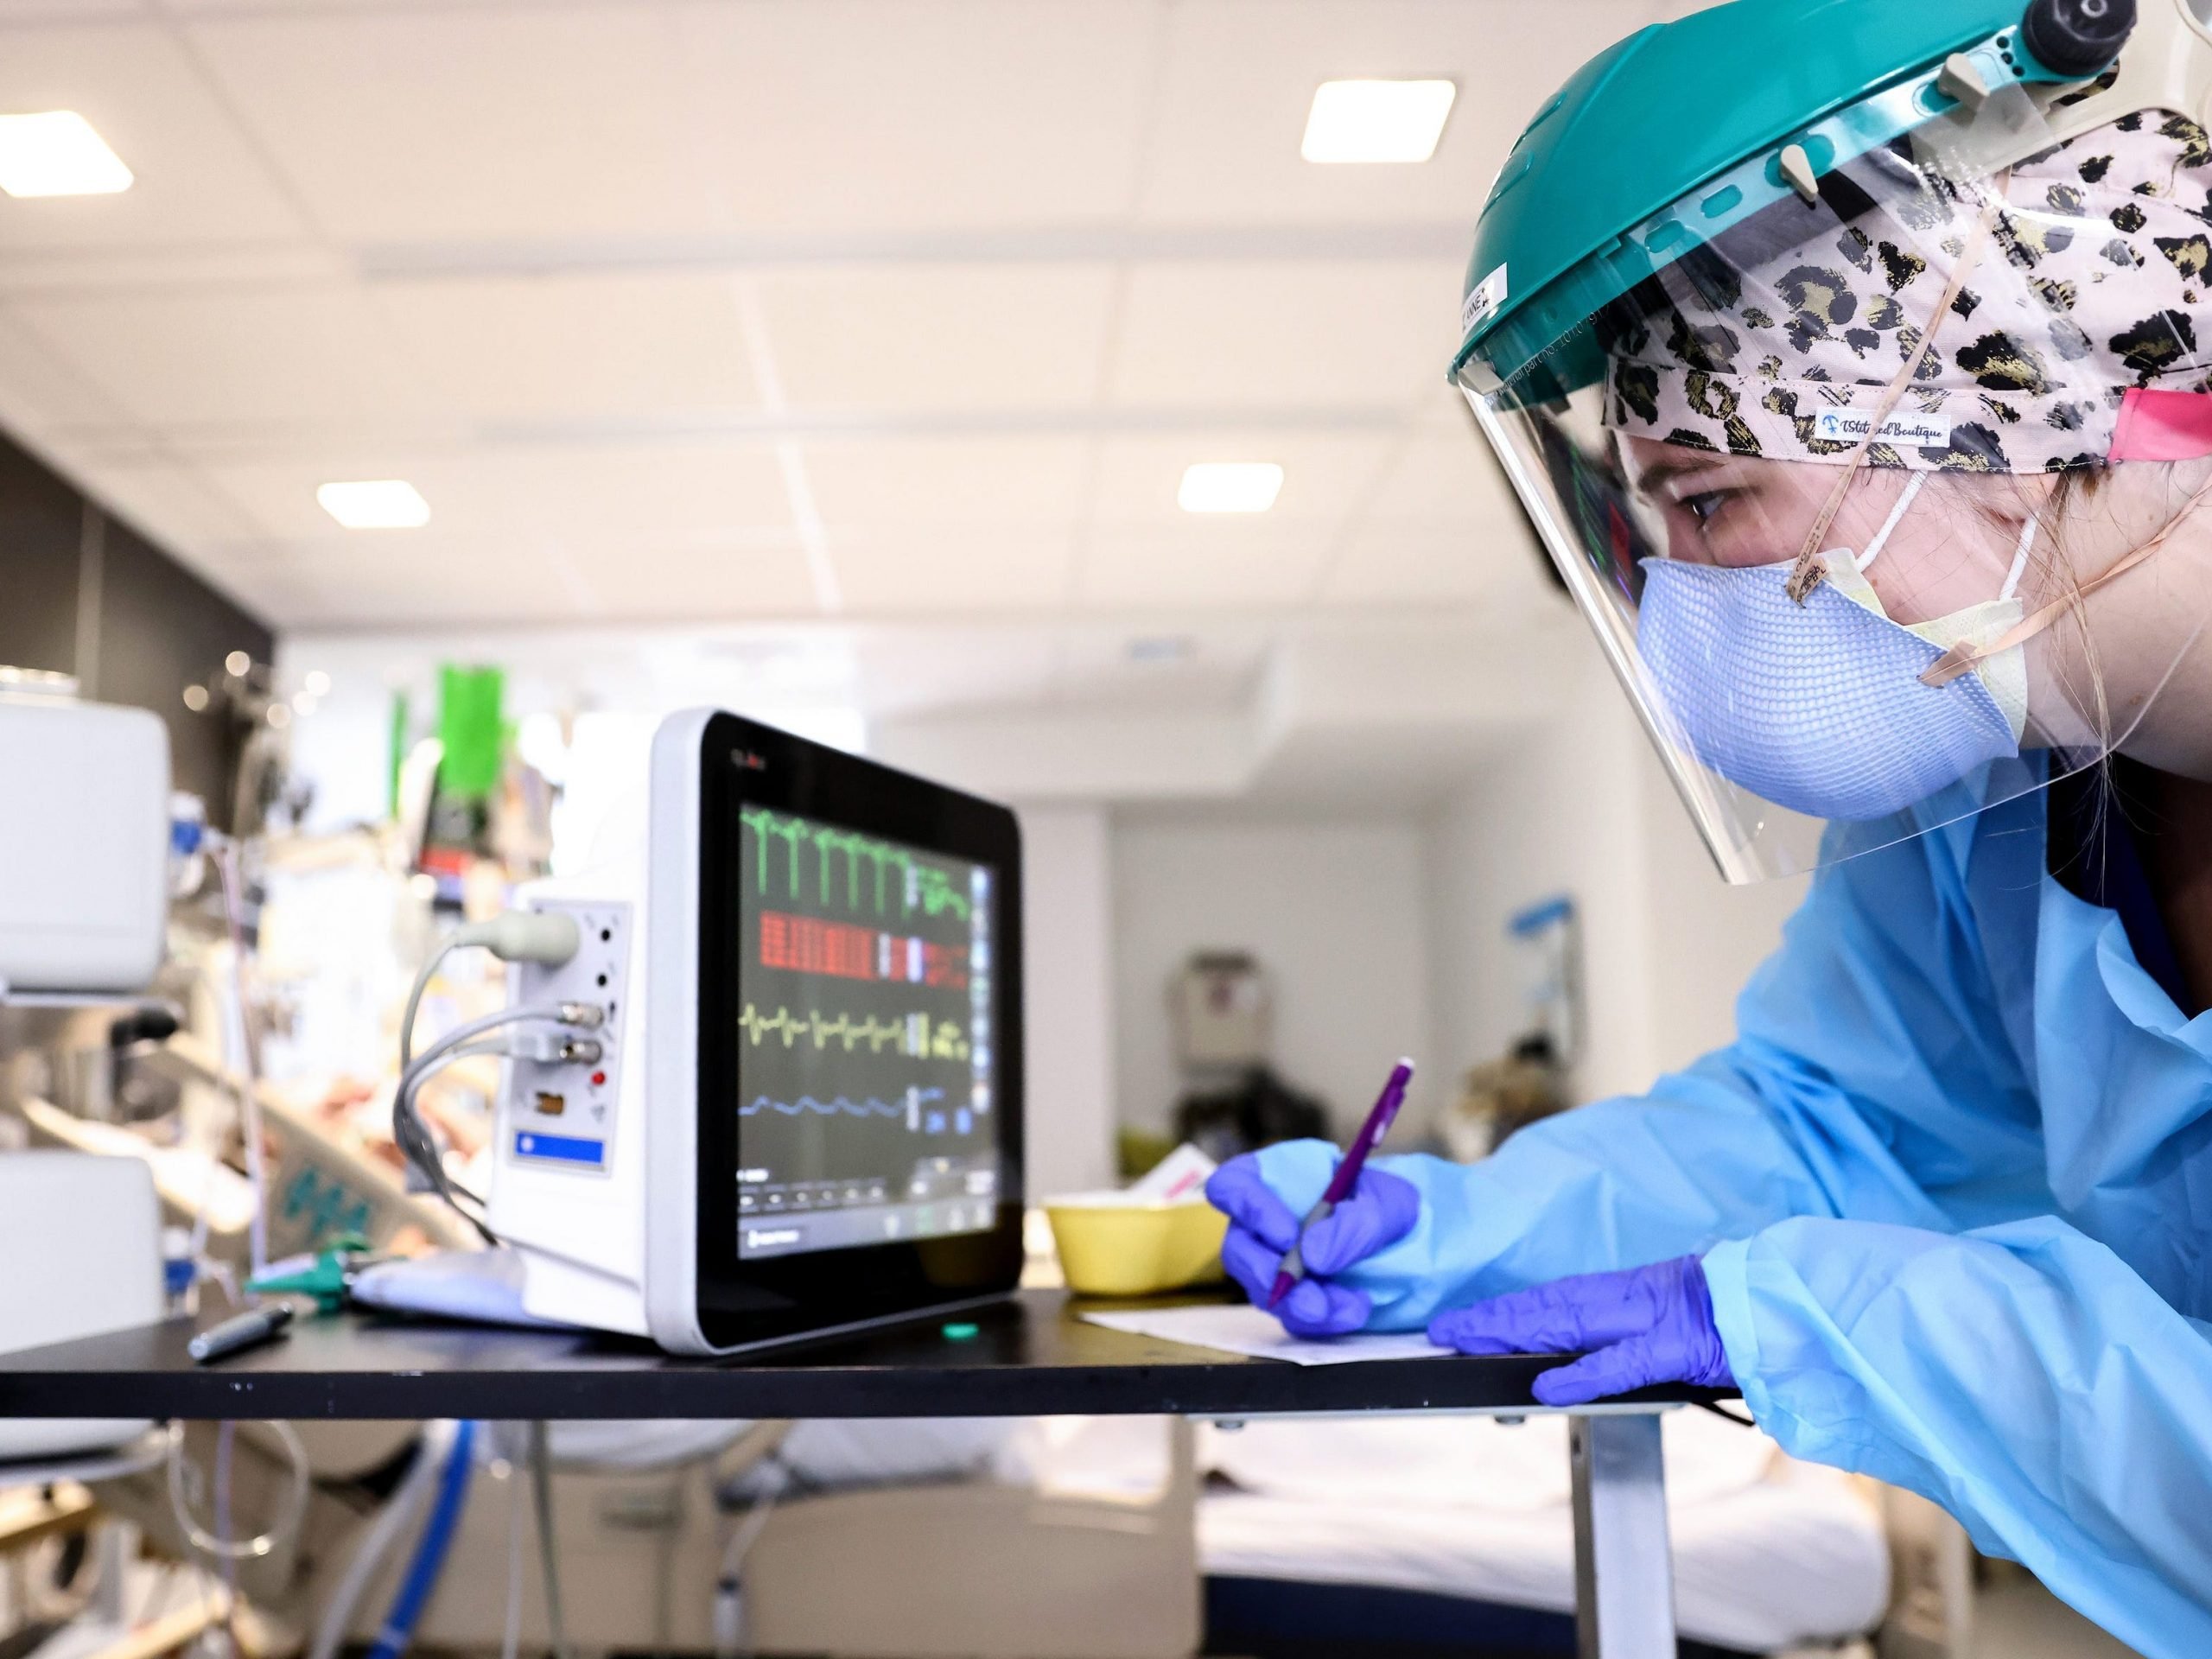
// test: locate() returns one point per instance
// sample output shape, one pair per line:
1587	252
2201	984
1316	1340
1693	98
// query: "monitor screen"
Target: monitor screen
864	1039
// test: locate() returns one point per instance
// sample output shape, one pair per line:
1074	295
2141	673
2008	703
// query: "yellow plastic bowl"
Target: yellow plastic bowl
1134	1249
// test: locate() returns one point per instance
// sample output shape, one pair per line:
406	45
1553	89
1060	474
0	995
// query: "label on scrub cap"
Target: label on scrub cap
1914	431
1483	299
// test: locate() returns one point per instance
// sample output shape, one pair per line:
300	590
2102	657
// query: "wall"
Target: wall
86	594
1336	911
1068	997
1582	806
1705	937
1556	810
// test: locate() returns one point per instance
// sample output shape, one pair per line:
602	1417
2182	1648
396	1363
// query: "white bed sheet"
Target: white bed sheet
1767	1552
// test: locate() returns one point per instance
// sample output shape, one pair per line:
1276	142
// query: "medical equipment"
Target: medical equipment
777	1087
84	842
113	1282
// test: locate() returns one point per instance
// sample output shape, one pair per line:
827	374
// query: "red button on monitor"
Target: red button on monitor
598	1078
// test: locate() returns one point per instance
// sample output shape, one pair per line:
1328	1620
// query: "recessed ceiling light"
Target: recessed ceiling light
375	504
1376	120
57	153
1230	486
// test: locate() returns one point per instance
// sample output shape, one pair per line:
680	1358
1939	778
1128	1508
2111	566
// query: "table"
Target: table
1029	1356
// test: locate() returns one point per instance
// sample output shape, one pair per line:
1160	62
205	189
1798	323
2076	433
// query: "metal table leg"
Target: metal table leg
1623	1567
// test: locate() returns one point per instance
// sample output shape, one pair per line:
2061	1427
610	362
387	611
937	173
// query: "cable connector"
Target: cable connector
550	937
552	1048
584	1016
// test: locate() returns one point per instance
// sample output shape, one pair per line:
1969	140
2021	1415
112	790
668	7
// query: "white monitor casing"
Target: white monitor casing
599	1156
611	1245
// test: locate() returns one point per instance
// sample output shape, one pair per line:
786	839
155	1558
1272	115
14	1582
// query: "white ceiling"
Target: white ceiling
870	313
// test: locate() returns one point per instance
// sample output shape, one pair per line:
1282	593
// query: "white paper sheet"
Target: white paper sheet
1247	1330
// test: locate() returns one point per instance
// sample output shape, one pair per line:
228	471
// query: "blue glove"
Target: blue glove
1381	1210
1633	1328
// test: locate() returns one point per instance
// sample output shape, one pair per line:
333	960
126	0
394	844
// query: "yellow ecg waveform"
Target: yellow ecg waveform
916	1035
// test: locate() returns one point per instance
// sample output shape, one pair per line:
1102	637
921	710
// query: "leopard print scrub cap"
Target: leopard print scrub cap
2093	282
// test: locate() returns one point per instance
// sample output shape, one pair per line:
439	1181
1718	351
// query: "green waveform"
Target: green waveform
918	885
916	1035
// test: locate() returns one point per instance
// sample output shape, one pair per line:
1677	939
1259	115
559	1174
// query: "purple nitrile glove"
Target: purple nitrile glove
1381	1210
1633	1329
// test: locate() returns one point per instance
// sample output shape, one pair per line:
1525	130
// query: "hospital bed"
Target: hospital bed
1427	1535
1082	1539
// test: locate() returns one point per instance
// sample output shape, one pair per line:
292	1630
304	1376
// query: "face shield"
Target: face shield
1874	481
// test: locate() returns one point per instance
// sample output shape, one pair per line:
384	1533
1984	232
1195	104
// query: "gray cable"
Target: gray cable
541	1475
413	1136
549	937
446	948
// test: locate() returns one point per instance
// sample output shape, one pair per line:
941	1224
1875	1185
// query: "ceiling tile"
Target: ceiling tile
1325	475
1218	563
939	337
576	347
600	509
196	179
68	11
418	124
702	585
353	587
299	357
1449	477
1241	74
913	670
39	388
944	567
881	115
1208	664
907	481
1323	333
1423	562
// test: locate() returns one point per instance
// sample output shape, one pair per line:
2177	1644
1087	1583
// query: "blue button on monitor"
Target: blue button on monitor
560	1148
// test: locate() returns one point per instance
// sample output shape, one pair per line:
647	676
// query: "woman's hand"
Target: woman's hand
1266	1193
1632	1329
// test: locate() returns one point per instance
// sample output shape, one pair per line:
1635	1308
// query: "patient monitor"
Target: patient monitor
803	1111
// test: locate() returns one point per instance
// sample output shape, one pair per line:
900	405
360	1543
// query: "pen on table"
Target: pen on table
1347	1176
243	1330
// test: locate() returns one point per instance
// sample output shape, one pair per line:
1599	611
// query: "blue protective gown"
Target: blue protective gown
1952	1185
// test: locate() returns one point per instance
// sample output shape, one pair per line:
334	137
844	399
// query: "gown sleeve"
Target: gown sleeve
2021	1375
1872	1076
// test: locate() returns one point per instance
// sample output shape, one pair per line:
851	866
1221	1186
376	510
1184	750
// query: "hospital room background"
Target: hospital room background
856	366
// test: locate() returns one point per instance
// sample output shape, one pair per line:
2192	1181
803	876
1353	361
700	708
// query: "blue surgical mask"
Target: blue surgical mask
1820	707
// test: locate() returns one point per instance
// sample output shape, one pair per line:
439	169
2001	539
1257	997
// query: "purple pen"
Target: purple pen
1347	1176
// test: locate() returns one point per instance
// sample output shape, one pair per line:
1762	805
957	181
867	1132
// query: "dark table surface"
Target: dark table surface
1030	1356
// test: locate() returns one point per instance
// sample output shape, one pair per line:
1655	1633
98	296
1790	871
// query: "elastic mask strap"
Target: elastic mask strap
1810	570
2019	559
1963	655
1881	537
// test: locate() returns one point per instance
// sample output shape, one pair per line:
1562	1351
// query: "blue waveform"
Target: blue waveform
869	1107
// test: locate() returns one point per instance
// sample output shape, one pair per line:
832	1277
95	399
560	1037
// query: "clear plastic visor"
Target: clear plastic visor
1827	461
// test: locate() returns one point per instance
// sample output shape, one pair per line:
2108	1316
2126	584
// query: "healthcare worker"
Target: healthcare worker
1854	359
